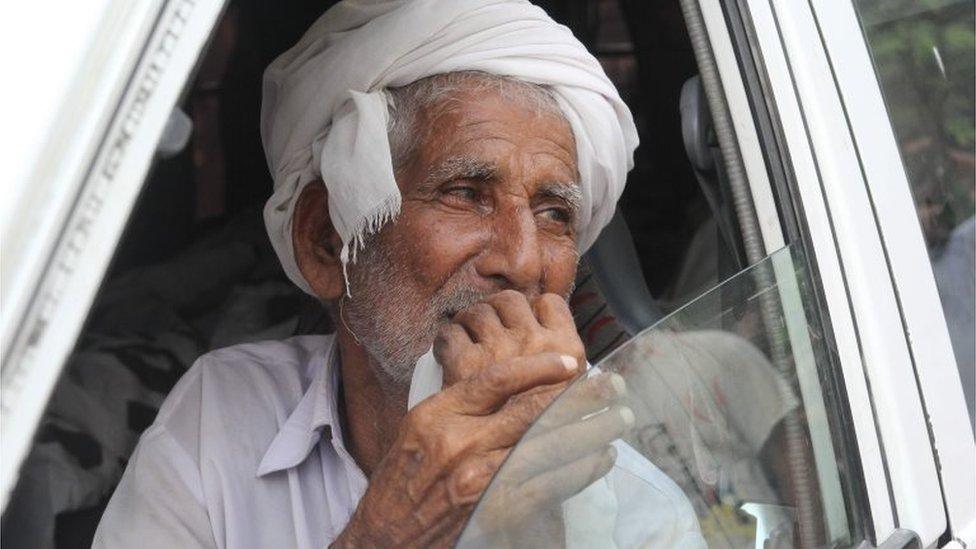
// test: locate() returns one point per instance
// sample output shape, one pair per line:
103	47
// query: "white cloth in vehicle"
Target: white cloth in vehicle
325	109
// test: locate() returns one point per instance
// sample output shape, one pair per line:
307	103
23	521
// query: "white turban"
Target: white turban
325	109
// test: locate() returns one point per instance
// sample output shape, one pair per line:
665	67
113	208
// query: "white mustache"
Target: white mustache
455	302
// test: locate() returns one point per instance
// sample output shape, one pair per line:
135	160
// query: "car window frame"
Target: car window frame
76	256
855	422
861	287
911	271
763	167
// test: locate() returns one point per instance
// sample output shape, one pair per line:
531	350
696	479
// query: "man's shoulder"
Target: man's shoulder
286	364
281	367
248	389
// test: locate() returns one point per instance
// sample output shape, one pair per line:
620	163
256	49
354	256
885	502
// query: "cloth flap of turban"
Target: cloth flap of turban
325	109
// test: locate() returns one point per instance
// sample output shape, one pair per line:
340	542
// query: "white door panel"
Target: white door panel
817	218
905	250
860	288
84	234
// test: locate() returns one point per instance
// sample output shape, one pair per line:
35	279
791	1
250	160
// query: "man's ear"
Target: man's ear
317	244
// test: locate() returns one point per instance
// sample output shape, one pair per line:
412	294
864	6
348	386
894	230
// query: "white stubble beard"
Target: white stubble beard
387	317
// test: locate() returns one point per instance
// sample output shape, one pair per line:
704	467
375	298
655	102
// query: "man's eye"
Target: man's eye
559	215
463	192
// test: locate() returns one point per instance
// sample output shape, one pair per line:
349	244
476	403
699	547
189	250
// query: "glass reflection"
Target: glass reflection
923	56
728	440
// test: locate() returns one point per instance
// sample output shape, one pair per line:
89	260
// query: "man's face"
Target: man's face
489	202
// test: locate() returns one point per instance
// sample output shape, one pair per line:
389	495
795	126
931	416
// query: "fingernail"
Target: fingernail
569	362
628	416
618	384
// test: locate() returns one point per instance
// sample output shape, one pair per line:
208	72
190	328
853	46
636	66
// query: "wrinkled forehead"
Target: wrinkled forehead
466	98
469	125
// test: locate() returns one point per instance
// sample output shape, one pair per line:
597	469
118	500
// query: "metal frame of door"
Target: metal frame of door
907	257
852	197
87	221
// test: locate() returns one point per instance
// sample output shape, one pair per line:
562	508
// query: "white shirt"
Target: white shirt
247	452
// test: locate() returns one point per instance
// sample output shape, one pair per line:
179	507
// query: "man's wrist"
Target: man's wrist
354	535
349	538
346	540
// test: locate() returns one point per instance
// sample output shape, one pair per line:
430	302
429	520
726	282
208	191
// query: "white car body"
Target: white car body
84	133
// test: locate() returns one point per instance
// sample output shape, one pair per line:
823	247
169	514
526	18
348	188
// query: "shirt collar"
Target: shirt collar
317	411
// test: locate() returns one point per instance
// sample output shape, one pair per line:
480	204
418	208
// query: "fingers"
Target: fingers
555	317
451	341
511	422
585	397
582	399
481	322
470	478
489	389
560	484
572	441
516	311
455	352
505	325
513	309
553	312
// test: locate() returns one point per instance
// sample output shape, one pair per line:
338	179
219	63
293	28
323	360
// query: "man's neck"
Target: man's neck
371	408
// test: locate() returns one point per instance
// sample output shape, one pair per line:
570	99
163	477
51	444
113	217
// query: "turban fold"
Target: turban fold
325	109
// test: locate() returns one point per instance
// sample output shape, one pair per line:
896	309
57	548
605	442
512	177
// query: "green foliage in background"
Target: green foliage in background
923	52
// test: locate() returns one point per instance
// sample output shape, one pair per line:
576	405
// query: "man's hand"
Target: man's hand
504	361
504	326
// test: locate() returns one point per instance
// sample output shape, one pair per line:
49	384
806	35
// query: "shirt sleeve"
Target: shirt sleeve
159	502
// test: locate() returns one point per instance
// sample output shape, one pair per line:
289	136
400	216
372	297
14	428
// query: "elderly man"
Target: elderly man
438	167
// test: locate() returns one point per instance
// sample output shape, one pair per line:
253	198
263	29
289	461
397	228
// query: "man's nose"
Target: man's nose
513	256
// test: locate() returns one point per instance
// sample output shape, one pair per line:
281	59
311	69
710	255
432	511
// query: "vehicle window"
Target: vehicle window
728	446
923	55
194	270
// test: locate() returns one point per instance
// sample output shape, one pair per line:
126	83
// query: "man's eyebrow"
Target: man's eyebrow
467	167
568	192
461	167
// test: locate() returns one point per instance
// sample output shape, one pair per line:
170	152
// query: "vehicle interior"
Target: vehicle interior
195	272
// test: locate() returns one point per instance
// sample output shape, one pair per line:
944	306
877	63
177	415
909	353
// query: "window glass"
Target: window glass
923	54
732	439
